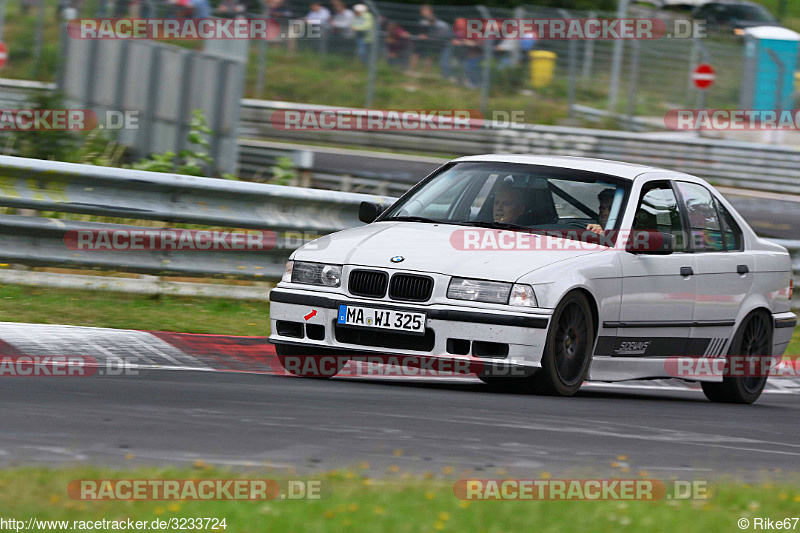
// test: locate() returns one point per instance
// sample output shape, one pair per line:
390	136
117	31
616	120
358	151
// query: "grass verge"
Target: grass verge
133	311
397	502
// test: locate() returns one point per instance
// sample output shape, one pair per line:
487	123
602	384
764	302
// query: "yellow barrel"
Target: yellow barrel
543	64
797	82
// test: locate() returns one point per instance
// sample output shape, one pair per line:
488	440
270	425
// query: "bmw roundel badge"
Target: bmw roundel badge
397	259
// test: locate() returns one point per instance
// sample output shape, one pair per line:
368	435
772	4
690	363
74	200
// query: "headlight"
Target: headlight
316	274
493	292
287	271
522	295
475	290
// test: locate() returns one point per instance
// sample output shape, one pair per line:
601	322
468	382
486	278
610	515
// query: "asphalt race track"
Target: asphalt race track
225	416
169	417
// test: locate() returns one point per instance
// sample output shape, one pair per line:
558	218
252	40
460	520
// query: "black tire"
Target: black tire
752	339
567	353
303	362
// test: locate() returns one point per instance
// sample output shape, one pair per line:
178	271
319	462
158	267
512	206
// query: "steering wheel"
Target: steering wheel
576	224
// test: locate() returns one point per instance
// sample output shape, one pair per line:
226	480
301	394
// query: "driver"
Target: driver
606	198
508	206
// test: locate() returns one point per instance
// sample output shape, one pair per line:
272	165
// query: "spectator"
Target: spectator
363	24
318	14
278	11
342	20
282	14
398	44
183	8
432	36
469	52
230	9
510	50
201	9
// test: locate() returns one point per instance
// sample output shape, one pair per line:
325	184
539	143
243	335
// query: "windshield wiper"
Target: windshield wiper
498	225
416	219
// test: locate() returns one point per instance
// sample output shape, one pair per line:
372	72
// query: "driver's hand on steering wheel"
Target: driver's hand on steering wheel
595	228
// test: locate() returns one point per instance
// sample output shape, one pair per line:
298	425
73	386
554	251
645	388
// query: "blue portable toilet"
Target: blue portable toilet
770	60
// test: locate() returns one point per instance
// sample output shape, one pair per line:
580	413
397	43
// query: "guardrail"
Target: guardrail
732	163
132	194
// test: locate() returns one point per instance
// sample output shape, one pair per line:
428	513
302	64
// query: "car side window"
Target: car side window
658	211
705	233
732	233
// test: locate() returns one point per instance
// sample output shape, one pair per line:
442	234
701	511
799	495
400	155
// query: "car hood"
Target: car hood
435	248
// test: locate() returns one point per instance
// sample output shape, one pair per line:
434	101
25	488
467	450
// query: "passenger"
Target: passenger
606	198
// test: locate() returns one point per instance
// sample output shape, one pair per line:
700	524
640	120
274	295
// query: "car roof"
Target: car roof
603	166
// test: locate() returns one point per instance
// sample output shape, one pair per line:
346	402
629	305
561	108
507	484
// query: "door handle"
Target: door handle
742	269
687	271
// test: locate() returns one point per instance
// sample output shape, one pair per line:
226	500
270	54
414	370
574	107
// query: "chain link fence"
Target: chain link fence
376	47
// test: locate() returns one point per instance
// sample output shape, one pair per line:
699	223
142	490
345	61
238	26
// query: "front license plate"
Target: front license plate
350	315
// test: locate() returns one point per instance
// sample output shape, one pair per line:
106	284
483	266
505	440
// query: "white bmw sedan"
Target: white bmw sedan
562	269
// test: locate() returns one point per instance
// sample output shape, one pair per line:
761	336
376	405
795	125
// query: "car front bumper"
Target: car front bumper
486	334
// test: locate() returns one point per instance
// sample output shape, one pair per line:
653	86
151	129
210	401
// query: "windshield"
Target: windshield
516	196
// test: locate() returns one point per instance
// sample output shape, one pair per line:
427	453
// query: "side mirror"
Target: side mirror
368	212
650	242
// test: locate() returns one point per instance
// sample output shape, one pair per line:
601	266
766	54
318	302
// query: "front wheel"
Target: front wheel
752	340
568	349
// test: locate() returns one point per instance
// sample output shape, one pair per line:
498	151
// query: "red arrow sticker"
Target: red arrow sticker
311	315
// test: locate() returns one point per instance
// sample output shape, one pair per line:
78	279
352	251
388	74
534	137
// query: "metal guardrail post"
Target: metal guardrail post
616	61
588	53
263	48
692	65
373	53
572	51
486	77
153	82
3	4
37	43
185	112
632	83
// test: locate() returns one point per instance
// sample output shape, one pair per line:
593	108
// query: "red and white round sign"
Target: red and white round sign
3	54
703	76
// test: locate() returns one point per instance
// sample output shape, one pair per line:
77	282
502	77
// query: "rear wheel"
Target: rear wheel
302	361
752	340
